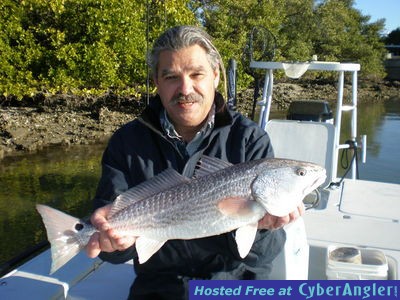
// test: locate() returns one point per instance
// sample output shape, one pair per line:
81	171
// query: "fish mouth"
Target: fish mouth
317	182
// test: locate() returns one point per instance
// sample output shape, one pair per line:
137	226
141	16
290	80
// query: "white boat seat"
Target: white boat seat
305	141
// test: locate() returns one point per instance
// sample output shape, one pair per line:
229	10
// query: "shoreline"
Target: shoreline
65	120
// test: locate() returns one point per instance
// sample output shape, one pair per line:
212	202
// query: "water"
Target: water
62	178
66	178
383	151
381	123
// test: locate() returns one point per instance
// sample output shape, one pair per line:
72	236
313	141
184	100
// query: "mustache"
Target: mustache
193	97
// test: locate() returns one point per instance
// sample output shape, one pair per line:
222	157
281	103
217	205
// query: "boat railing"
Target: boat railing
295	70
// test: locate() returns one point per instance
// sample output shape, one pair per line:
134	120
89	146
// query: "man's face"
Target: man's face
186	84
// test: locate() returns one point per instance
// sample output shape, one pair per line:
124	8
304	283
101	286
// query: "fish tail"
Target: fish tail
62	233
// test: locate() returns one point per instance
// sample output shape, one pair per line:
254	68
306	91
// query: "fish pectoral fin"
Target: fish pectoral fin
146	247
238	206
244	237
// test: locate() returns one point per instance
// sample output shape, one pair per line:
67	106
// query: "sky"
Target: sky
381	9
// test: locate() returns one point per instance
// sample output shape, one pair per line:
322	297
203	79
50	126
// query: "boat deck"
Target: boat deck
81	278
346	216
362	214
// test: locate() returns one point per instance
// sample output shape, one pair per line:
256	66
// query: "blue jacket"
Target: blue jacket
140	150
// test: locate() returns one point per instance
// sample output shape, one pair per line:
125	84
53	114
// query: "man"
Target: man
188	118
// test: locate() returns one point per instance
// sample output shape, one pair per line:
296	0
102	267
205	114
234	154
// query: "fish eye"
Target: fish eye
78	227
301	172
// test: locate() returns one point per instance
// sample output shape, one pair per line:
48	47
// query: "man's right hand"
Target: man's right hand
106	239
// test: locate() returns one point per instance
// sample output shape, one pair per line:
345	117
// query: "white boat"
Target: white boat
355	217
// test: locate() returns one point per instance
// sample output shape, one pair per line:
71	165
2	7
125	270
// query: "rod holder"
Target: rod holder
364	148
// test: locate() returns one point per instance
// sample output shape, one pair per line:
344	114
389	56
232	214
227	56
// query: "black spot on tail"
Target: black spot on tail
78	227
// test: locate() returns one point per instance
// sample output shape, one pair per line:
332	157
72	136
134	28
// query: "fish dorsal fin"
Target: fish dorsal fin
146	247
245	237
207	165
163	181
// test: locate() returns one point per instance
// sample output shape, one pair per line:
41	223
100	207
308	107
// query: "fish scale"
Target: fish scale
220	198
182	200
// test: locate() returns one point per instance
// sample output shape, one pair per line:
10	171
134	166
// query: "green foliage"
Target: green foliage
231	21
296	31
393	37
332	30
64	45
344	34
94	45
17	51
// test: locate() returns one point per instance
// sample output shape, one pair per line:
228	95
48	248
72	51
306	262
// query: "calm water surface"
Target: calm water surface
67	178
383	151
62	178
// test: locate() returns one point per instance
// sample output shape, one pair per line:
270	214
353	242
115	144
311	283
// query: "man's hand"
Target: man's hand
106	239
272	222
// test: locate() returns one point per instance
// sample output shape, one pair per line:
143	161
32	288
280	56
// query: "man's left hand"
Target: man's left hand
273	222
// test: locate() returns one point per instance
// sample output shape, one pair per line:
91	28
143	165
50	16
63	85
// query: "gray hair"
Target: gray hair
181	37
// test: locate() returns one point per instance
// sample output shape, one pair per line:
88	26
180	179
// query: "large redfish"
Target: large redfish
220	198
